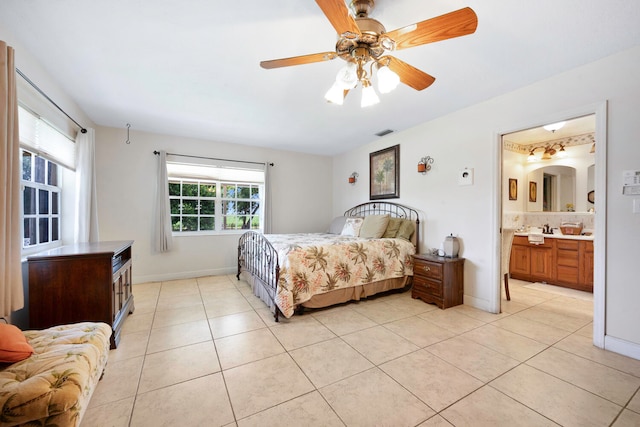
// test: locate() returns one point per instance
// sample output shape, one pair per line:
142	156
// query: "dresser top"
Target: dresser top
436	258
108	248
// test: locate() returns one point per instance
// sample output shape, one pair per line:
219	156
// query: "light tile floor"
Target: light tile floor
206	352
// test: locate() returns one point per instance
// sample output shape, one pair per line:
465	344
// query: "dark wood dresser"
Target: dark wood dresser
84	282
438	280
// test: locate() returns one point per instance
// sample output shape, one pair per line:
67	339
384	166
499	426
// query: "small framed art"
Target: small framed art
513	189
533	191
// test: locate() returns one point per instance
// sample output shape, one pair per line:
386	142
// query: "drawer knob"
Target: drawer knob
426	268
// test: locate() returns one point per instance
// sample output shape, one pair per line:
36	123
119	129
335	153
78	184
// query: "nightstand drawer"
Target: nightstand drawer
432	270
426	285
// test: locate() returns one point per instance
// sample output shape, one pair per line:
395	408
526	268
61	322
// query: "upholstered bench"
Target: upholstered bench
53	385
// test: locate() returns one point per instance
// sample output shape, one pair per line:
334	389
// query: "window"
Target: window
240	206
193	205
40	200
45	155
208	200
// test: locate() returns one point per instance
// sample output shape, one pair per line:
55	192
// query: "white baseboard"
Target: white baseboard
480	304
626	348
183	275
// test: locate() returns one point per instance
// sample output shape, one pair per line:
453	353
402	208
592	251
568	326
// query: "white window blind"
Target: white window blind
39	137
214	169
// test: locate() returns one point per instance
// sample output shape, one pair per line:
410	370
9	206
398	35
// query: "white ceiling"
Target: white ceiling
191	67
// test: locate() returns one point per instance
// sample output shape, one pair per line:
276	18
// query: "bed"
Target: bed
366	251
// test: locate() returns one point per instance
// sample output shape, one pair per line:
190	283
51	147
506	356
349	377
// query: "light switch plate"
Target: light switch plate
465	176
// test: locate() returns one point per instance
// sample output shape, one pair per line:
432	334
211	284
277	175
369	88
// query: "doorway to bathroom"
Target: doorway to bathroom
549	176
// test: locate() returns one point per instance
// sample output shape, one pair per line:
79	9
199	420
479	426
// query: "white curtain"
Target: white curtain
266	218
163	241
11	290
86	224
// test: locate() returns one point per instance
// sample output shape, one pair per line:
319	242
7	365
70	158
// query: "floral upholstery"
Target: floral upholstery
54	385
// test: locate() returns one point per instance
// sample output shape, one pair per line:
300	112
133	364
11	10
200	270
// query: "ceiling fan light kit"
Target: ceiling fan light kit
369	95
363	41
387	79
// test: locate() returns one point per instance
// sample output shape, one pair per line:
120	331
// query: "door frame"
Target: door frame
600	230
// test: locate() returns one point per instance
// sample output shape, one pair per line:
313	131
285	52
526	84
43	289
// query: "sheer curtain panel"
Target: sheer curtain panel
163	240
86	225
11	291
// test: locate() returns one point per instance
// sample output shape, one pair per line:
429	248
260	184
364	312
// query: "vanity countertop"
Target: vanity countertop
557	236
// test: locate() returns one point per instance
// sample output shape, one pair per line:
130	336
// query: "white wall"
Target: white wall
126	189
469	138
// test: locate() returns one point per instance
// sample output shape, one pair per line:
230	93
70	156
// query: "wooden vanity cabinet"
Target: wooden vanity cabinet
563	262
84	282
585	266
542	265
532	262
520	264
567	260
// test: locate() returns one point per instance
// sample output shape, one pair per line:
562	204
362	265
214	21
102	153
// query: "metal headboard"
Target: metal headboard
394	210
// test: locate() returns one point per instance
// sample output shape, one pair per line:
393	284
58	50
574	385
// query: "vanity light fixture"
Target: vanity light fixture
352	178
424	165
549	151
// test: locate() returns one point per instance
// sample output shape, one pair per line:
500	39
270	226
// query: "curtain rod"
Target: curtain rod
82	129
214	158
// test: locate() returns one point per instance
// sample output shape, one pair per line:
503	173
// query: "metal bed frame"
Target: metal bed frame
259	258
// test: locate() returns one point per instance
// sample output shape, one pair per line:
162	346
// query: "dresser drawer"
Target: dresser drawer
428	269
431	287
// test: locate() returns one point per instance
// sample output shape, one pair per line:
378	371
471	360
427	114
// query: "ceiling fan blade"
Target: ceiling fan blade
454	24
298	60
408	74
337	13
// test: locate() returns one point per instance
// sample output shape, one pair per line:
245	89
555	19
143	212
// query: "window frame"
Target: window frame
219	202
38	216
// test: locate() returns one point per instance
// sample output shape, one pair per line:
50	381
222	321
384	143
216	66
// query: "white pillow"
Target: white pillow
352	227
337	225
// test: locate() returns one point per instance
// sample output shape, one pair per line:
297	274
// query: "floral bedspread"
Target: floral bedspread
316	263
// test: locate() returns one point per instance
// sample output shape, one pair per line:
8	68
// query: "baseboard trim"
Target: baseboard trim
480	304
626	348
182	275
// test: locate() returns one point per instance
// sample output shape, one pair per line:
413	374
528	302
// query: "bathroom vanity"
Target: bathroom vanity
561	260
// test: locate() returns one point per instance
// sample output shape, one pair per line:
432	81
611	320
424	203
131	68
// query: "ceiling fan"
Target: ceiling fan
363	41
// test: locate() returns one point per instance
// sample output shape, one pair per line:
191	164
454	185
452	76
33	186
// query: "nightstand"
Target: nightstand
438	280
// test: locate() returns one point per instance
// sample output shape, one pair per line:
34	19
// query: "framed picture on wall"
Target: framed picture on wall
533	191
513	189
384	173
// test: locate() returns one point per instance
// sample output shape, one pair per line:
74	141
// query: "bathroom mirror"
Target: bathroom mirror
556	188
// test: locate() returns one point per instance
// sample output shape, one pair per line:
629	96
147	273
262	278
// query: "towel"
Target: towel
536	239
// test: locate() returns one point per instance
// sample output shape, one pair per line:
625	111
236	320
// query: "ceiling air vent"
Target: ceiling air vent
384	132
